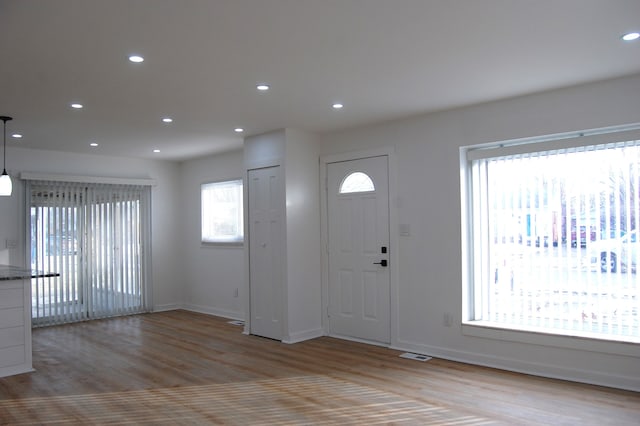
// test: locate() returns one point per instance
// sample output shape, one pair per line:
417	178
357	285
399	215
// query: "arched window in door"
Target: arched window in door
356	182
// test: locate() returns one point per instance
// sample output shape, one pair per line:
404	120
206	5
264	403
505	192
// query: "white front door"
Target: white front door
358	222
266	254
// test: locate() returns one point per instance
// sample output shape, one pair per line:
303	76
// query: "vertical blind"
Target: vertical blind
94	236
555	244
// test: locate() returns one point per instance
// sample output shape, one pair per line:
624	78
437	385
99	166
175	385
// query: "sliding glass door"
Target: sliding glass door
94	236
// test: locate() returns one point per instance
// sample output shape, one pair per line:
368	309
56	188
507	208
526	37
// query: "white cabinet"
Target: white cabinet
15	327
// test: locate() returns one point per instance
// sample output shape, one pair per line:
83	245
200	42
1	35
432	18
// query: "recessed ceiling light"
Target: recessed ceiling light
136	58
337	106
93	144
631	36
77	106
156	151
262	87
238	130
16	135
167	120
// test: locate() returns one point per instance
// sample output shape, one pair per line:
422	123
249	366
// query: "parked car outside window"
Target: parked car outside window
616	254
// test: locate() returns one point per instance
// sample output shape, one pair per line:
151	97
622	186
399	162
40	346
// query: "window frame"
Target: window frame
237	240
475	246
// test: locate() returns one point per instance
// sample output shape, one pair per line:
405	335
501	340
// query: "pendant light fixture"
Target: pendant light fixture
5	179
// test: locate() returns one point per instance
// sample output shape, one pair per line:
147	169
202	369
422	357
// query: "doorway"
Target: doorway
266	254
95	236
358	246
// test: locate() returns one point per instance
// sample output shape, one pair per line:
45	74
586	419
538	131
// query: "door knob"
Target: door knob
383	262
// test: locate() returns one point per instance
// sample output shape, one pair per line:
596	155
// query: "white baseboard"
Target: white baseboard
214	311
355	339
301	336
518	366
167	307
16	369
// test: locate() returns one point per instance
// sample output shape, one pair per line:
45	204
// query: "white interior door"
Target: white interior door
358	222
266	251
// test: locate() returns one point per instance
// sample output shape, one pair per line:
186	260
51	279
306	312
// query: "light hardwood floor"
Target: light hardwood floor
180	367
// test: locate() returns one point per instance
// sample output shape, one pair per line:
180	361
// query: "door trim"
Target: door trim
389	152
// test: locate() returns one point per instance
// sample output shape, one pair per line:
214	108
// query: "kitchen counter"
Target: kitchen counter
8	272
15	318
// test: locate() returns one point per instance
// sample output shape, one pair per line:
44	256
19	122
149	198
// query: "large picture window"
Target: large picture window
222	214
552	240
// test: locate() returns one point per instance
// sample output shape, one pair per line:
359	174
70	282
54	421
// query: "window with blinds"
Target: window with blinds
95	237
552	236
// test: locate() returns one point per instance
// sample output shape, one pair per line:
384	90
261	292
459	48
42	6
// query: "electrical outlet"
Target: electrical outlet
235	292
11	243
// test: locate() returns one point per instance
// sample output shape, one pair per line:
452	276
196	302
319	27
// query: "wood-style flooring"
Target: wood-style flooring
184	368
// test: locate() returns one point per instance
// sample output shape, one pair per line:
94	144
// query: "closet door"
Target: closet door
266	251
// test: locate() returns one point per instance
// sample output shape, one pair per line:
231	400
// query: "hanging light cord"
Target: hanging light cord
4	150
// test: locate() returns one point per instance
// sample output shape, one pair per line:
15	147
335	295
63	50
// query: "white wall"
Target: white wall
212	273
166	263
304	288
428	199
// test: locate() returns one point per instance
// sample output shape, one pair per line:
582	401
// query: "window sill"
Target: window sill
577	341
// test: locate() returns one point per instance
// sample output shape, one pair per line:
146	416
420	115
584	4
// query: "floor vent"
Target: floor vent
416	357
236	322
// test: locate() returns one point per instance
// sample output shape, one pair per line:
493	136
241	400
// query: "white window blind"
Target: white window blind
95	236
554	244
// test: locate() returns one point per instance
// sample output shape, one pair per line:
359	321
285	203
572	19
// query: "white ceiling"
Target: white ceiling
383	59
